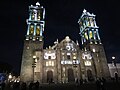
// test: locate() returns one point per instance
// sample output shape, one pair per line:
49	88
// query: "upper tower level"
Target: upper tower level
36	22
88	29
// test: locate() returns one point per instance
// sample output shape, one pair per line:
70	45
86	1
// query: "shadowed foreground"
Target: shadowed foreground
85	86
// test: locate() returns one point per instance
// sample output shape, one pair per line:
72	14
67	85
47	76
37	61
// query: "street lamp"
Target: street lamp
34	65
114	62
113	57
9	77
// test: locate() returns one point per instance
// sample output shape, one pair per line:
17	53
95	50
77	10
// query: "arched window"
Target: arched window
32	16
38	30
31	29
38	15
116	76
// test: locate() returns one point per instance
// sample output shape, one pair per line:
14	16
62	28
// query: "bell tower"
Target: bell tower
91	41
88	29
35	23
33	40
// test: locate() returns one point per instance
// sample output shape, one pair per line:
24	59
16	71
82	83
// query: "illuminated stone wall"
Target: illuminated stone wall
65	61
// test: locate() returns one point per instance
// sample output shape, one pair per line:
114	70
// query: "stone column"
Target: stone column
34	34
28	29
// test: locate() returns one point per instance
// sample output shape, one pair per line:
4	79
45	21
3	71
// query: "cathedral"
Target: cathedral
65	61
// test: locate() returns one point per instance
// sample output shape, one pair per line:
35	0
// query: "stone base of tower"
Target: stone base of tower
27	65
100	60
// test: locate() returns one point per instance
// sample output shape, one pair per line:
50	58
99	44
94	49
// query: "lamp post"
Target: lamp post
34	65
9	77
114	62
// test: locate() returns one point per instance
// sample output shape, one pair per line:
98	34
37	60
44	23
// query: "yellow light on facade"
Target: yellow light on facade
52	63
74	53
93	50
10	76
38	30
91	21
90	35
36	60
39	17
74	57
34	57
113	57
46	63
33	16
86	36
87	63
63	68
63	53
31	29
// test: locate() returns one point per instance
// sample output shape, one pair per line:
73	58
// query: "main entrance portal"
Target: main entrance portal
70	75
49	76
89	75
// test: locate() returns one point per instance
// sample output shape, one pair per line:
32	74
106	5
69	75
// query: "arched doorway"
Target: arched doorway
49	76
70	75
116	76
89	75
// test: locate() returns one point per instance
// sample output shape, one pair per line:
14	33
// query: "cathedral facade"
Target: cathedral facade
65	61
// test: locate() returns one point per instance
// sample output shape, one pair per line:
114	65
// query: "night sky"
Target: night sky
60	20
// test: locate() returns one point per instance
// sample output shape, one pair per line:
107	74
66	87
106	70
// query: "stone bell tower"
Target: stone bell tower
91	41
34	40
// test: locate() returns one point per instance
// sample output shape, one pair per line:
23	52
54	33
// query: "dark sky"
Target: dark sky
61	20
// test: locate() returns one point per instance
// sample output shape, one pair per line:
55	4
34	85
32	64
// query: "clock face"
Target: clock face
69	46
